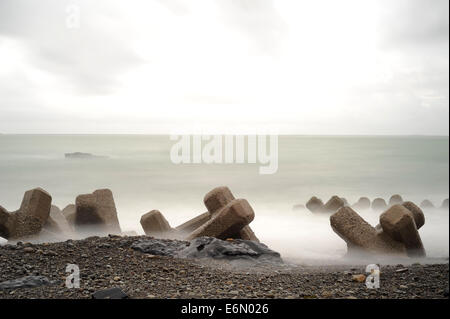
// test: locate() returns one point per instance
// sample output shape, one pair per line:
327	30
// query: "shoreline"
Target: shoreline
107	262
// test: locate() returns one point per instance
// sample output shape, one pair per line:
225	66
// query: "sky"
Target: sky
372	67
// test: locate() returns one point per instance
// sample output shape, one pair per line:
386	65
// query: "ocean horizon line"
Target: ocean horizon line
244	134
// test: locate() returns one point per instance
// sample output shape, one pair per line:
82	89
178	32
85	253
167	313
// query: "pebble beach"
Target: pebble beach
107	262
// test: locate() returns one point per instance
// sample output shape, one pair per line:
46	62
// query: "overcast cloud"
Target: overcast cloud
304	67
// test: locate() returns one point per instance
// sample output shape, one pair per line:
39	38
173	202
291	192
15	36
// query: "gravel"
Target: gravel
110	262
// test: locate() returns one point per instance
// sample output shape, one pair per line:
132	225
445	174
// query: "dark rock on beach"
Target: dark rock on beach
25	282
160	247
112	293
209	247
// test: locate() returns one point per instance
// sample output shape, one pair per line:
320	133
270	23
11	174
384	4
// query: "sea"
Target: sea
142	175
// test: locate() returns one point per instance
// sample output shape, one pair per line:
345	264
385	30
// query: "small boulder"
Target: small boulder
194	223
419	217
379	204
25	282
159	246
57	223
315	204
445	204
360	235
362	203
228	221
7	224
29	219
97	211
111	293
398	222
154	224
426	204
395	199
217	198
69	213
359	278
333	204
207	247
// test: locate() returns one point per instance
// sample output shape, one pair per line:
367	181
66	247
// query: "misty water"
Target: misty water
142	177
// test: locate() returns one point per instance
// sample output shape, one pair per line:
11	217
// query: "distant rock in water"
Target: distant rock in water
379	204
333	204
298	207
362	203
80	155
426	204
445	204
314	204
395	200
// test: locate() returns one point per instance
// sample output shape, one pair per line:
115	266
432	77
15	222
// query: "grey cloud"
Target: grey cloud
415	33
414	22
176	6
90	57
258	19
414	101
